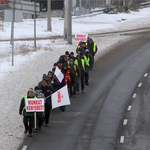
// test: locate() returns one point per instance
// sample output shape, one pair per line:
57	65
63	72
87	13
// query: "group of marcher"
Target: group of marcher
76	71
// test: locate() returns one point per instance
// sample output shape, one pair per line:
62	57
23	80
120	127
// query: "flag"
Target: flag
59	74
60	98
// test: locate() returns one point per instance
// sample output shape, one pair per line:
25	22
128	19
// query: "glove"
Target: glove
49	92
20	113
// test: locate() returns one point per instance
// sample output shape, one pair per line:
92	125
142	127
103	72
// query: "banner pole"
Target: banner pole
35	119
48	97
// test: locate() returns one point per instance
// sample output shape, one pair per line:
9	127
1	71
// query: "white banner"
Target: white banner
59	74
35	105
60	98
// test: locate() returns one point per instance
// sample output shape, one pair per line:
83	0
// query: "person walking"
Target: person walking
39	115
81	65
28	116
92	47
87	59
47	91
75	74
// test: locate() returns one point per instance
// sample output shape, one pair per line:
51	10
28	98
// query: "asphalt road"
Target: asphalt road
94	119
136	127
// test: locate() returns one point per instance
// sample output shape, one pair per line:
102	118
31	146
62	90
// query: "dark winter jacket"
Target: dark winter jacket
75	73
47	91
91	47
55	83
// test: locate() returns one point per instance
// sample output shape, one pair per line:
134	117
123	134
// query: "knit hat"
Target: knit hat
90	40
66	53
30	91
72	53
55	64
65	65
36	88
44	76
50	73
71	60
53	69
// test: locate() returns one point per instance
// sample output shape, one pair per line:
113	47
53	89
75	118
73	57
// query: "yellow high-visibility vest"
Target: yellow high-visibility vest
82	62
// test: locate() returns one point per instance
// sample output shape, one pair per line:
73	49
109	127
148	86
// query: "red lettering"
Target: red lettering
79	35
80	39
34	108
59	97
35	102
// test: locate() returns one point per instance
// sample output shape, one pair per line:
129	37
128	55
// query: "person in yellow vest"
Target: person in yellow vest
78	47
87	59
81	65
92	47
74	74
28	118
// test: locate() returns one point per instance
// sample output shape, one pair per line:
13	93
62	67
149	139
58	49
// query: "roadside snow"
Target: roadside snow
85	24
30	64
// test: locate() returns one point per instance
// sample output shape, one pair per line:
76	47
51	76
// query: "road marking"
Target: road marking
122	139
134	95
129	108
125	122
24	147
145	75
140	84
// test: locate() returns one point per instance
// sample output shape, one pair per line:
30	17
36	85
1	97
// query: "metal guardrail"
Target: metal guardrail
146	3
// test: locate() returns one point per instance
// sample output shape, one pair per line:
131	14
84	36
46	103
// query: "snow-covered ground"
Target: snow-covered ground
30	64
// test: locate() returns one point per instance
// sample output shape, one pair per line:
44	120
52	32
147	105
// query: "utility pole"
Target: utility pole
49	28
69	23
65	21
12	32
34	24
80	6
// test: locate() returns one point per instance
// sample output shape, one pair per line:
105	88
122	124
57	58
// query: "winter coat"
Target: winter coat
55	83
80	66
49	80
75	73
67	76
90	48
47	91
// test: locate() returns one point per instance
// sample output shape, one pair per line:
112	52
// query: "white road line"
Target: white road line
125	122
122	139
140	84
134	95
24	147
129	108
145	75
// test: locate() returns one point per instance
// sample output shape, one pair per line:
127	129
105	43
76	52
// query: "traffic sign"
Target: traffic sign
25	7
8	16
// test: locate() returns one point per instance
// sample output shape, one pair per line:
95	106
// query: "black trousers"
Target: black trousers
47	112
39	119
72	89
28	123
